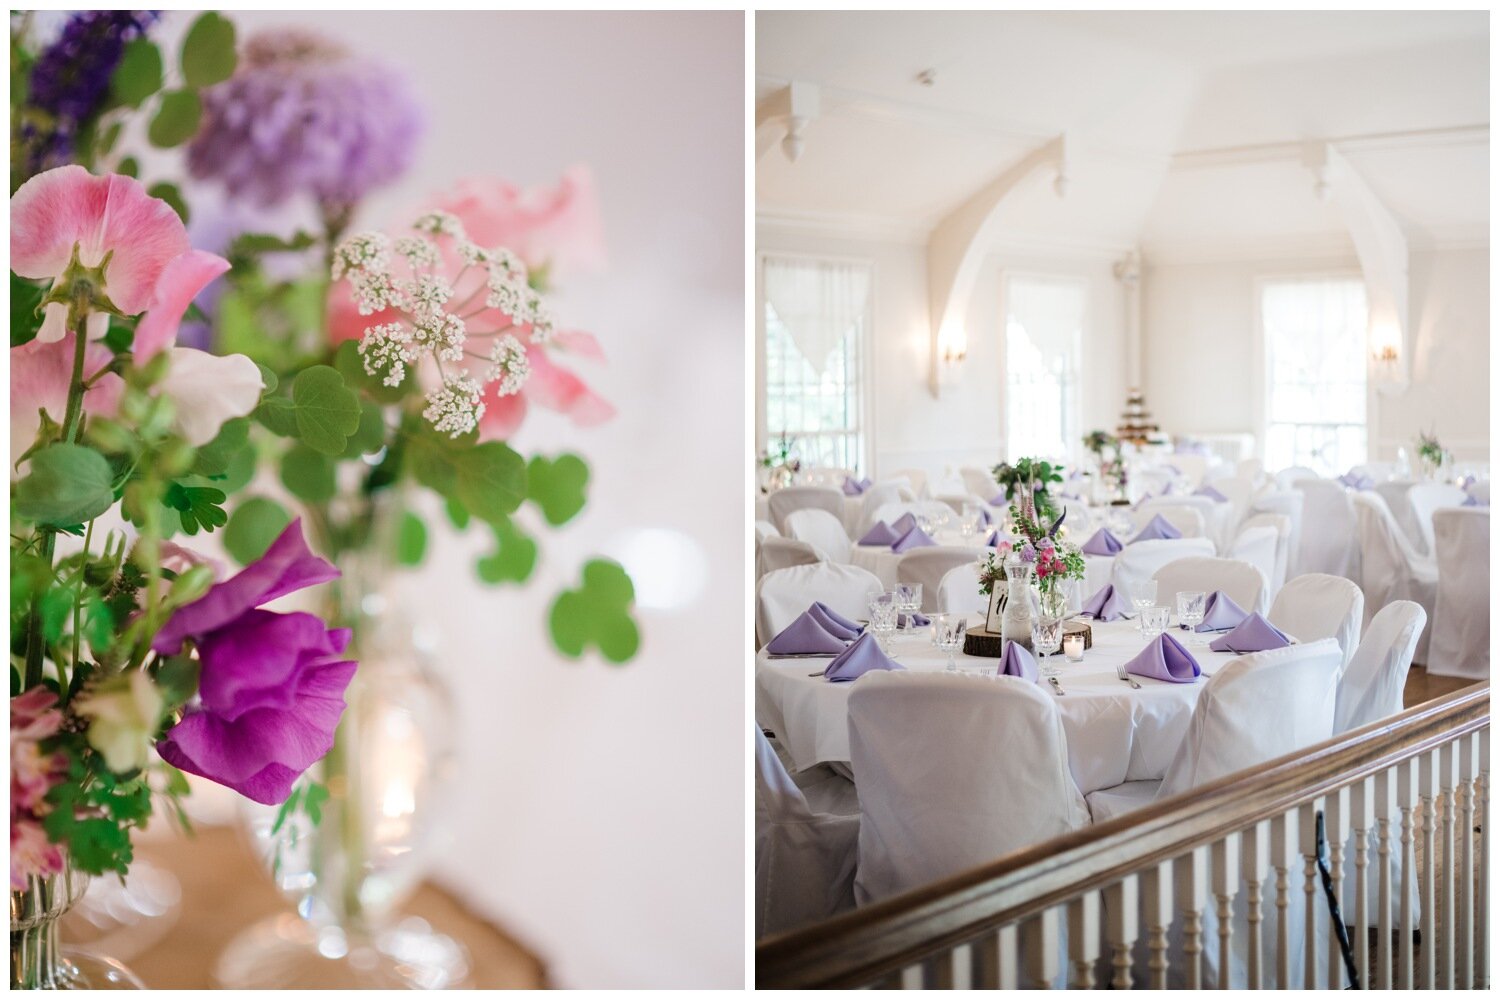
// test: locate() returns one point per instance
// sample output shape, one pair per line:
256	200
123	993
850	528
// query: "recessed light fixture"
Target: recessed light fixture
927	77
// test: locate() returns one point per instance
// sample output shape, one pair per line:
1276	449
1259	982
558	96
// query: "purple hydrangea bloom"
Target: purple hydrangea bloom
302	116
271	686
1028	554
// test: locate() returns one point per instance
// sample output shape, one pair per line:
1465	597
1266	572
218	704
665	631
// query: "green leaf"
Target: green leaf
129	166
208	55
120	336
369	436
490	480
65	484
252	528
177	677
168	193
278	415
312	801
55	606
176	119
456	513
308	475
25	301
514	557
598	614
268	380
326	411
251	244
213	458
197	506
557	486
411	540
139	74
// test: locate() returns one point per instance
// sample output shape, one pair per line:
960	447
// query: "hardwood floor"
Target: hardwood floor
1422	686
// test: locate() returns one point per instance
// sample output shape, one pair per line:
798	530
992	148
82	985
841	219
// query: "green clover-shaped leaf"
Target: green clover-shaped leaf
514	557
597	614
557	486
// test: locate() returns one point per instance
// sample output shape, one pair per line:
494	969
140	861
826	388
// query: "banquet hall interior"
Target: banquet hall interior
1121	511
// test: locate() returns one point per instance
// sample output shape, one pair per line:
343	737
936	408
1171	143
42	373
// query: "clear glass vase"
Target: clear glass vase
38	959
388	779
1015	624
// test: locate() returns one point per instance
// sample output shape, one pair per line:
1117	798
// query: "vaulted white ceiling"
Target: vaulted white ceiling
1183	128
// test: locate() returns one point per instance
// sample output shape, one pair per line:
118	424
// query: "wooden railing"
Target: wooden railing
1000	926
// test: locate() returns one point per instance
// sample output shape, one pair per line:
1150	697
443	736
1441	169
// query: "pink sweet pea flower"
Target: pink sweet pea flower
558	228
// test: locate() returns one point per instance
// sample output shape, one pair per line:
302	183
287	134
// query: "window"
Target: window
1315	373
1043	336
816	313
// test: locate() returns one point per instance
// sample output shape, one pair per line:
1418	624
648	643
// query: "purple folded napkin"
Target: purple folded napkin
1208	491
1144	497
1000	499
806	635
1102	543
1157	527
904	523
1220	612
836	624
917	620
994	538
1357	482
916	538
1472	501
1251	636
1106	605
1017	661
1165	659
984	512
881	534
861	657
854	487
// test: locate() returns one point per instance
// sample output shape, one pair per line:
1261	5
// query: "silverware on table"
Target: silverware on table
1056	686
1125	676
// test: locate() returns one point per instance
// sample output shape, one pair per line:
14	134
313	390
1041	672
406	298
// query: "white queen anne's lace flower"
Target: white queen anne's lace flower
455	409
508	365
362	252
418	252
387	349
440	224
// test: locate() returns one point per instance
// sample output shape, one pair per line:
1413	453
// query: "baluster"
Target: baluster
1482	907
1156	897
1361	818
1283	851
911	977
889	981
1040	941
1255	850
1120	910
1307	826
1403	777
937	971
1009	951
1083	938
1336	828
1190	878
1468	753
1427	785
1392	785
1224	871
984	962
1448	761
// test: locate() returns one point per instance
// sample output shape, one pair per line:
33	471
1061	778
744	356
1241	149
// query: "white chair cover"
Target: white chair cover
1282	525
928	566
1079	522
1191	466
1480	491
1288	478
984	773
1183	516
784	594
1461	620
1318	606
1257	546
876	497
1428	497
979	482
918	480
781	553
1390	569
1141	560
764	530
1397	496
958	592
784	501
1252	469
1372	685
821	530
1328	534
1240	491
804	860
1244	584
1288	504
1380	472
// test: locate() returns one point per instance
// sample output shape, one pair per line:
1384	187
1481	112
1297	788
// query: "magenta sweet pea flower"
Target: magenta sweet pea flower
271	685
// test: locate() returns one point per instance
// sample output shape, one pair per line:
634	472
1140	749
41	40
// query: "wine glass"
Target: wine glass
1046	639
1190	608
948	635
1142	595
908	602
883	619
1154	621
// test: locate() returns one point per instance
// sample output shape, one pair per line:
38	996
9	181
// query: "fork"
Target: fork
1124	675
1057	686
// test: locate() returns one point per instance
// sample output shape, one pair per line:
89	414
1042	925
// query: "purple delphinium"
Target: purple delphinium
303	116
271	685
70	79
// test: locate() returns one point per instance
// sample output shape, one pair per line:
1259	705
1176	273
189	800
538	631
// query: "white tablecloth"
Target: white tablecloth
880	560
1115	733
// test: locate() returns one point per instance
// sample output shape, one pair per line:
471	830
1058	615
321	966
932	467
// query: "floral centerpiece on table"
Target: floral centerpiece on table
781	458
1032	476
1431	453
1111	470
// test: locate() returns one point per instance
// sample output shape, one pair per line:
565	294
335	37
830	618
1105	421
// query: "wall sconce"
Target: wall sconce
1387	366
952	349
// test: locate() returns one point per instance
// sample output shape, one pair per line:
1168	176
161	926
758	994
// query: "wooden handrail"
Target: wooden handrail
857	948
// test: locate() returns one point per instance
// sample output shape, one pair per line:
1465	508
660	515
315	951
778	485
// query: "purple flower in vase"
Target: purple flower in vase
1027	553
271	685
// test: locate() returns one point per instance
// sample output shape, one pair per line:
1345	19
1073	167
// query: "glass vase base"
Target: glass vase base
285	952
125	918
84	970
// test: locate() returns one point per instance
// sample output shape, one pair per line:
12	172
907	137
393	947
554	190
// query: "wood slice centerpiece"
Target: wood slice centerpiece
978	642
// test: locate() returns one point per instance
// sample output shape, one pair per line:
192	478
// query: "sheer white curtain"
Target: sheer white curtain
1315	372
1044	319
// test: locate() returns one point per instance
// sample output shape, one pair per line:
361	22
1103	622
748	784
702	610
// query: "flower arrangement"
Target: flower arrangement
124	641
1040	544
1033	475
1431	452
780	454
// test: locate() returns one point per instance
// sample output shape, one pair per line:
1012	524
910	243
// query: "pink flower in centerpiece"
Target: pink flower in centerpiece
150	269
34	717
557	229
271	686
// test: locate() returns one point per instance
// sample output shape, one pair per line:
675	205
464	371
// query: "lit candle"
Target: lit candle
1073	647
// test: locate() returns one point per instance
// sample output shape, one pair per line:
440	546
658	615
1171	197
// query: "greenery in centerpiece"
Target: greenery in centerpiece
1033	476
1431	451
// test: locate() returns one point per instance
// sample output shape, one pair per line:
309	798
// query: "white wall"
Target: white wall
911	429
1202	368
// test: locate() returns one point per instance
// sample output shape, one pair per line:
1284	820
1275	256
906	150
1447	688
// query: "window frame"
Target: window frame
1261	387
867	344
1074	447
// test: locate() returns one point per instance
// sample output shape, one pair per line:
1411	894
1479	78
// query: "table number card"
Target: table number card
997	609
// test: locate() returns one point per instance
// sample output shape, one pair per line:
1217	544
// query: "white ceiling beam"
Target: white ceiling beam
785	115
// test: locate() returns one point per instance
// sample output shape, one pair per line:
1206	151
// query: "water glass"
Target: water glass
1142	596
883	611
1190	607
948	635
908	597
1046	639
1154	621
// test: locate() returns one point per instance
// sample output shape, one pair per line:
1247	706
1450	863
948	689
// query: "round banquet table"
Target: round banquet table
1115	733
880	560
